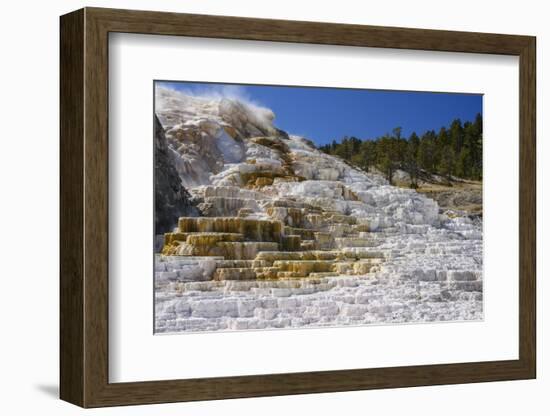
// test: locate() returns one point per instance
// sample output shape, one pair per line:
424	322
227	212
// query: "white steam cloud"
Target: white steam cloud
204	95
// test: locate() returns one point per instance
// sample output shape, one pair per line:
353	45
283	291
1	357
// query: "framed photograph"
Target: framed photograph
257	207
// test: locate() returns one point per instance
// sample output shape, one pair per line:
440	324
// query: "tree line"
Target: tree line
455	150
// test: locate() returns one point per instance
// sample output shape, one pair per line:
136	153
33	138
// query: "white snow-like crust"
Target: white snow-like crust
430	264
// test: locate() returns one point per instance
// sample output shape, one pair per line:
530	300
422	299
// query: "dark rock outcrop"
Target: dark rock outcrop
171	198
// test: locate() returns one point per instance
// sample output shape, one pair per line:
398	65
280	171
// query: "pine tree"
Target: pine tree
427	152
456	150
411	159
446	164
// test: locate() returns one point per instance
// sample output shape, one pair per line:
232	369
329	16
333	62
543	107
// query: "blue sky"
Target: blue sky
324	114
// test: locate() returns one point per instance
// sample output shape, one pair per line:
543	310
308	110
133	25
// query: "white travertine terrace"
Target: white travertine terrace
291	237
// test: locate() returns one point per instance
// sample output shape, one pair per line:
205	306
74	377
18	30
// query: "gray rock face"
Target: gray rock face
171	199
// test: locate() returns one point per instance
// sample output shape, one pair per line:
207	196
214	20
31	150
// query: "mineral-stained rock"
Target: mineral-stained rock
251	229
247	250
234	274
291	242
303	268
205	239
323	240
263	181
304	233
226	207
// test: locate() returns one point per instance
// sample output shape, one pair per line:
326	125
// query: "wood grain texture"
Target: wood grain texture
71	184
226	27
527	207
96	208
84	207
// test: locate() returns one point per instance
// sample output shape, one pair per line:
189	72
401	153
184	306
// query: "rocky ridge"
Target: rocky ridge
291	237
171	198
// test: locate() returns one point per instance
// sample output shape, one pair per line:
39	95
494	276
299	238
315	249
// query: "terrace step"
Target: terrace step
252	229
234	274
302	268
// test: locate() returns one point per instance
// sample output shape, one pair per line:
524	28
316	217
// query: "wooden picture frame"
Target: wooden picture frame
84	207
